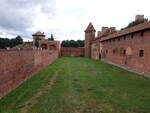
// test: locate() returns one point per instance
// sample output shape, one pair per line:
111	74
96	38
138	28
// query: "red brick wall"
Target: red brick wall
72	52
89	37
95	50
132	44
17	66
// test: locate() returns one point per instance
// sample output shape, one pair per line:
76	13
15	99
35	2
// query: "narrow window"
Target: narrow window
106	51
132	35
142	33
124	52
141	53
124	37
113	51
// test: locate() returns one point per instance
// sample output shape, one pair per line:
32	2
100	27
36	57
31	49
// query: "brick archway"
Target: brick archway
44	46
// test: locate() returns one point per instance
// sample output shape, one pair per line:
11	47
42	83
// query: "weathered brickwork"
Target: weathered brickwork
95	50
17	66
129	47
132	50
79	52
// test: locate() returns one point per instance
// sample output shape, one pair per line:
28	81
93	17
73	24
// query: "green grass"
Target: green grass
80	85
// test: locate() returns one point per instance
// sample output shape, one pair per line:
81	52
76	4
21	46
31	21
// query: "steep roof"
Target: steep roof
136	28
90	28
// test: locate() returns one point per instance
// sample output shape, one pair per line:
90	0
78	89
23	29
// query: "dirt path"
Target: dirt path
33	100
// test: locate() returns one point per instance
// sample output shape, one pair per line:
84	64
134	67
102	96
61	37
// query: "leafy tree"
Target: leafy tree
52	38
134	23
37	39
5	42
72	43
19	40
81	43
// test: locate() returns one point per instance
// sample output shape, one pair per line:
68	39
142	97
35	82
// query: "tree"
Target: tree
16	41
72	43
81	43
134	23
19	40
5	42
52	38
37	39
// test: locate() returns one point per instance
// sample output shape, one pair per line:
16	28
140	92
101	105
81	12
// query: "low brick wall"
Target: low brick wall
17	66
79	52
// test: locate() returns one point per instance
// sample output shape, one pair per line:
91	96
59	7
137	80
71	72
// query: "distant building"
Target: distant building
45	44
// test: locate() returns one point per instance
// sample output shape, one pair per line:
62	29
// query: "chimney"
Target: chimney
139	17
112	29
99	33
105	31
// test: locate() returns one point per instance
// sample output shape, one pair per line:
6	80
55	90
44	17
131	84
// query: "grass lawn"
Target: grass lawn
80	85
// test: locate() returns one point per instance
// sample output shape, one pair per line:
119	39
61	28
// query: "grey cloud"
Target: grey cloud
19	14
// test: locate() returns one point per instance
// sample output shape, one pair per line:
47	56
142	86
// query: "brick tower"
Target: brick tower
89	37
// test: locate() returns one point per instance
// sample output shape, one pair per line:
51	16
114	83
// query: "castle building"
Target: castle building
129	47
45	44
89	37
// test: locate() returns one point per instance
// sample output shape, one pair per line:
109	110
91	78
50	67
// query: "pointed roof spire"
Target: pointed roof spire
90	28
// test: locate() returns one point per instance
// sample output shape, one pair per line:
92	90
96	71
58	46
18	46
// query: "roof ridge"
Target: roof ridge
90	27
136	28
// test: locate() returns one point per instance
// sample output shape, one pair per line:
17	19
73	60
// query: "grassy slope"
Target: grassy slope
80	86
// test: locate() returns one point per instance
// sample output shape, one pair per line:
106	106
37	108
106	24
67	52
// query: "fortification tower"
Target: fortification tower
89	37
40	35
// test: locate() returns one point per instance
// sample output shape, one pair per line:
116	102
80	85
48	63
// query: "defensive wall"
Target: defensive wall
17	66
129	47
78	52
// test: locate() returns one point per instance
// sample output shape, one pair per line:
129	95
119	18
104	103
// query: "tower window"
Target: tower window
141	53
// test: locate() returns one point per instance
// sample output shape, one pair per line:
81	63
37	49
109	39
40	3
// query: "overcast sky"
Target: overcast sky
66	19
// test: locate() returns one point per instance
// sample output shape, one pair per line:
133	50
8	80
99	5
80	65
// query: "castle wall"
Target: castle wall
132	50
17	66
95	50
79	52
89	37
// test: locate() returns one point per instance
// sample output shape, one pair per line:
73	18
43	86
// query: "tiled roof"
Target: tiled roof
136	28
90	28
